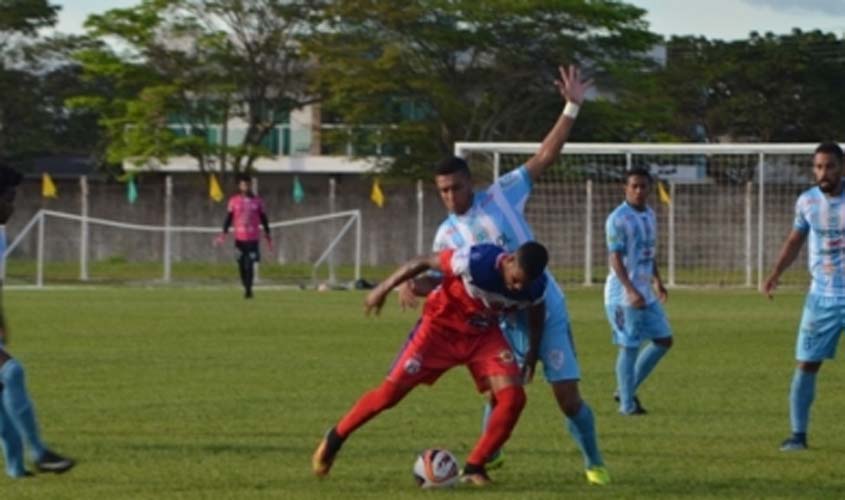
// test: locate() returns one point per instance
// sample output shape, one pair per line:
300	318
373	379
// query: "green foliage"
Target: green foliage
25	17
205	62
36	75
479	71
769	88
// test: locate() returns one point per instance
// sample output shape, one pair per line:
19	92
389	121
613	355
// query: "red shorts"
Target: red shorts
432	349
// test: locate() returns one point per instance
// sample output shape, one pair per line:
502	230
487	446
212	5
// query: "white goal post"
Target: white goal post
342	224
731	205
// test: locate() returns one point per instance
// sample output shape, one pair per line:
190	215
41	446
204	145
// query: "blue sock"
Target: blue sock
646	361
12	446
800	398
625	377
583	429
18	406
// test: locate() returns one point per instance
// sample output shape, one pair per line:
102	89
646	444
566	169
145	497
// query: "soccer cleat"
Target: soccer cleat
475	475
638	408
794	443
53	462
496	461
321	462
598	475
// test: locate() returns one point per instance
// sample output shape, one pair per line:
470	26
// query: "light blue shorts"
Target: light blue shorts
632	326
821	325
557	350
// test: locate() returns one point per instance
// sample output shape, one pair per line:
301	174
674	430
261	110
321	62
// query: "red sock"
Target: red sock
371	404
509	403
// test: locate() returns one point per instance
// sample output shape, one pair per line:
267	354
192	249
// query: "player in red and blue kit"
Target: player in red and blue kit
459	326
246	213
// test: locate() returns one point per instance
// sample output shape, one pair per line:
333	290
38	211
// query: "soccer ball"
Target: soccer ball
436	469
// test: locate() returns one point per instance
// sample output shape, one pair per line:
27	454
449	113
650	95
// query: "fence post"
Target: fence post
588	235
168	219
83	231
761	212
671	243
358	240
748	260
420	214
332	199
497	159
39	272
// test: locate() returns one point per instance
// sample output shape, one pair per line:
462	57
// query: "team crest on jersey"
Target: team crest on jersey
413	365
556	359
507	357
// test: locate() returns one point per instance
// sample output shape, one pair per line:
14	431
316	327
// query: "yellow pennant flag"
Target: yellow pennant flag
663	194
214	191
48	188
376	195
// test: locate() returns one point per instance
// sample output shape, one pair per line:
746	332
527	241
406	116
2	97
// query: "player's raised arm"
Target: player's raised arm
572	89
791	249
375	299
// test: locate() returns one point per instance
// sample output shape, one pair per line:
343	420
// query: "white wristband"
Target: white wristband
571	110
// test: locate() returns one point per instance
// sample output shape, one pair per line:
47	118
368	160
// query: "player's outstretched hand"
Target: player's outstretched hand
407	295
570	85
769	287
374	302
219	239
269	241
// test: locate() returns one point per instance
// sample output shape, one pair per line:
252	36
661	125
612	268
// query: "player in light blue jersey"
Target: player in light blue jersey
496	215
633	308
819	216
17	415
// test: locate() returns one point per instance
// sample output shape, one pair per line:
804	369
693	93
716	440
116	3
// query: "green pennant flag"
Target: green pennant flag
298	192
131	190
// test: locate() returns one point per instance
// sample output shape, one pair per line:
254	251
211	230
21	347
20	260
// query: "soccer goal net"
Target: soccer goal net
724	214
60	248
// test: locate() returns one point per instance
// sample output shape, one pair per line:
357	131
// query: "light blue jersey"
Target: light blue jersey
822	219
632	233
497	215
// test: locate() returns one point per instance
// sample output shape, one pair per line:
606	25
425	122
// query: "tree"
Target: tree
781	88
417	76
198	64
36	75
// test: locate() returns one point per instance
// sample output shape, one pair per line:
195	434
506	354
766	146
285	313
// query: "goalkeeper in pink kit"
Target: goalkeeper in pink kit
246	214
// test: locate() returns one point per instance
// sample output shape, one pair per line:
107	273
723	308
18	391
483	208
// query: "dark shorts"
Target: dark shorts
248	248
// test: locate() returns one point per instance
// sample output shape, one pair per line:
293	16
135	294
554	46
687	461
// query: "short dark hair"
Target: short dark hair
638	171
830	148
9	177
451	165
532	258
244	177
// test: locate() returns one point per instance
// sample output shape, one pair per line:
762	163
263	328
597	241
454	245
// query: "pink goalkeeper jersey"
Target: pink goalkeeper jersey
246	216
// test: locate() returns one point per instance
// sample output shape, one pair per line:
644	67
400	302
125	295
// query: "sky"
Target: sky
722	19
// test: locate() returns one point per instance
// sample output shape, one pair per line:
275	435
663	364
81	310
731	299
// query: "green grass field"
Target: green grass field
191	393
